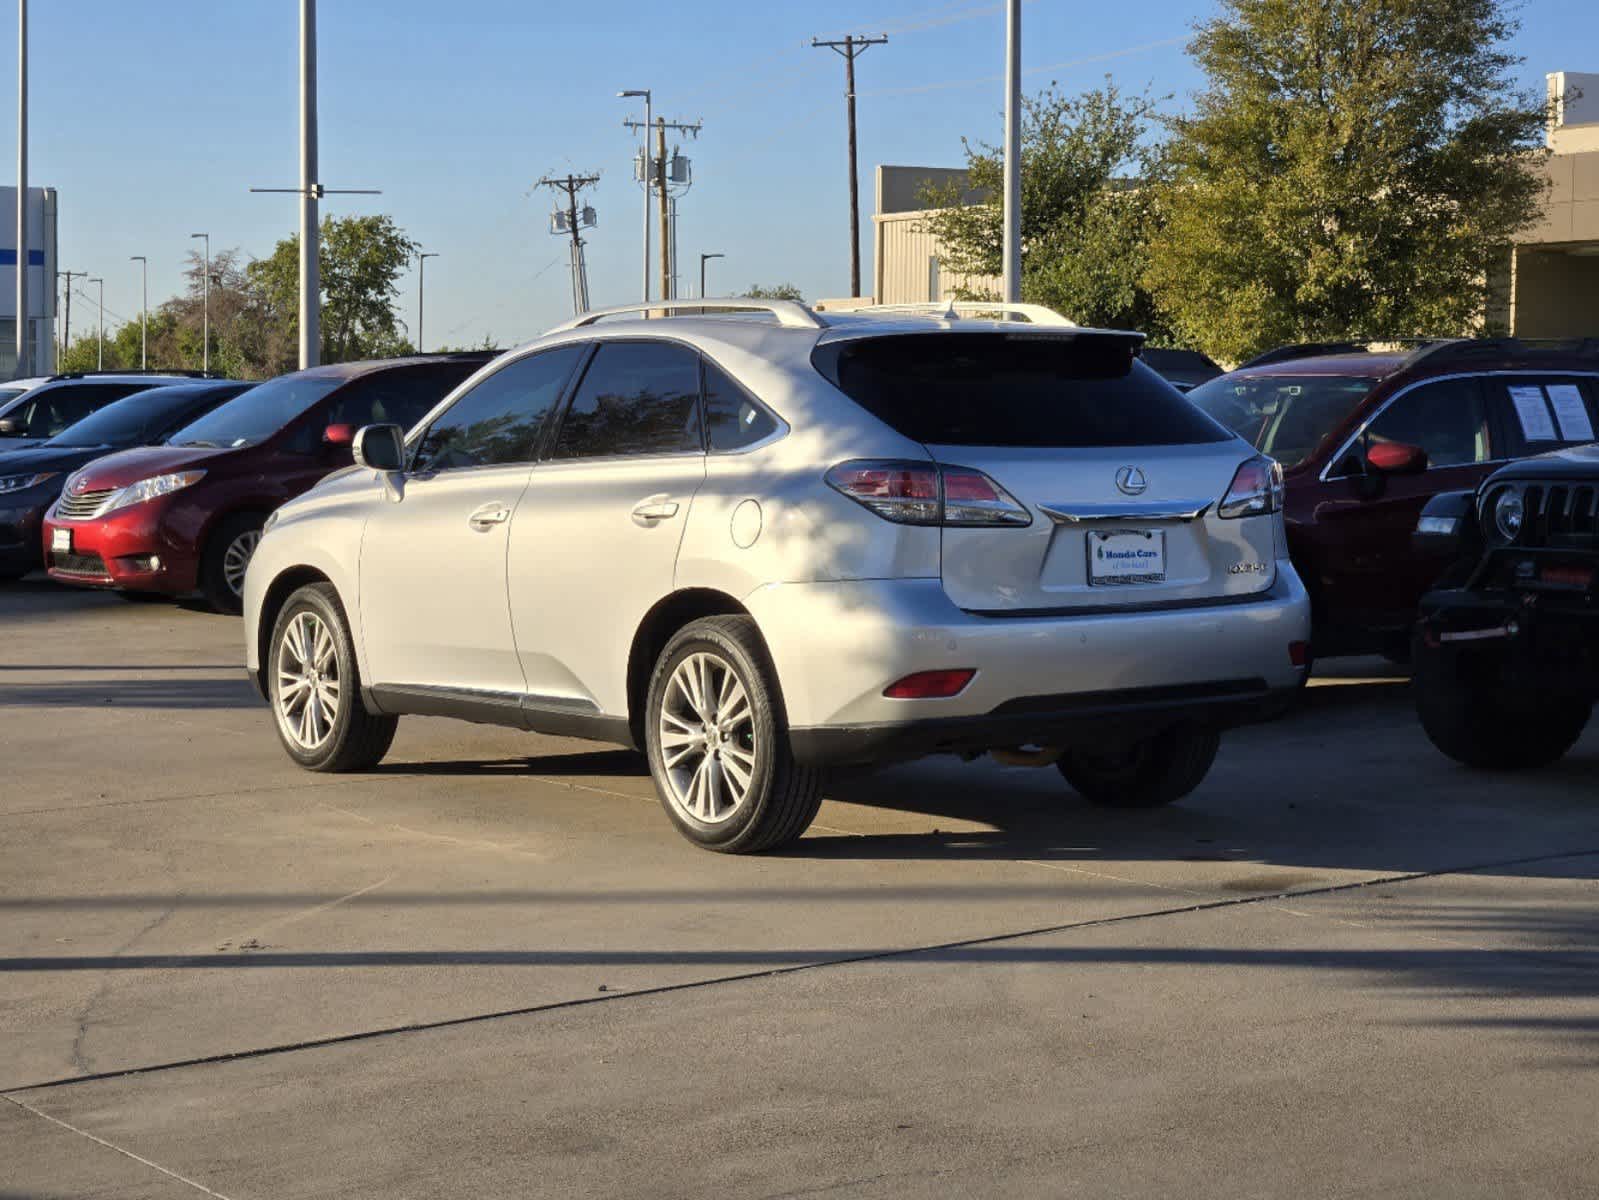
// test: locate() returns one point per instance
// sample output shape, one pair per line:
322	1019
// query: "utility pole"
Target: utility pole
100	362
24	362
205	305
568	220
703	259
421	290
644	159
656	179
850	49
66	331
310	192
1012	245
144	311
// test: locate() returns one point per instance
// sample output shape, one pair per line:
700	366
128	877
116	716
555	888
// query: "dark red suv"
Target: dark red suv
186	516
1368	434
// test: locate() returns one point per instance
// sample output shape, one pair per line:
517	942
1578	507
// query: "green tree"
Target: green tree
1355	167
1088	210
361	261
776	291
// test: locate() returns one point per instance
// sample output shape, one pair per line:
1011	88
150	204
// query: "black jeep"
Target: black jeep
1506	656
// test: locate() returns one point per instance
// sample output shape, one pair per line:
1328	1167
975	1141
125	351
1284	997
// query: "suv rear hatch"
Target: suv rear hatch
1122	482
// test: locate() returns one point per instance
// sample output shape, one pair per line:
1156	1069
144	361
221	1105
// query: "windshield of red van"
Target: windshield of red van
258	413
1285	416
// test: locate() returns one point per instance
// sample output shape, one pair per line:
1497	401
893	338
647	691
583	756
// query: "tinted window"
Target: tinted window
397	395
732	419
635	398
259	413
499	420
50	411
1541	412
1285	416
1447	419
145	415
1002	389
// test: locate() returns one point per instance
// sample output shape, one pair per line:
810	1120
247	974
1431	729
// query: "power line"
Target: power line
849	50
1059	66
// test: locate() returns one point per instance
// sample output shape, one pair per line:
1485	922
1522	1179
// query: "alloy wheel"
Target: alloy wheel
236	559
308	691
707	737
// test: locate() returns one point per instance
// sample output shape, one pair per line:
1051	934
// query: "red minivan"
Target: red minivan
1367	435
186	516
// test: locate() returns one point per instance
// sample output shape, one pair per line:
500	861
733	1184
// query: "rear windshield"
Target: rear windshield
259	413
1004	389
1285	416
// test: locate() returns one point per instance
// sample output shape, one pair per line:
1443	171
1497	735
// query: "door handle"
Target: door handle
487	517
653	509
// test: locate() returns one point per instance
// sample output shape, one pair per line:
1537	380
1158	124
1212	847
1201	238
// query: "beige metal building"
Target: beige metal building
1550	287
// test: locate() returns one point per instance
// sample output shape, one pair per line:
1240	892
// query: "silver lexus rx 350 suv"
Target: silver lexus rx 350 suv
757	544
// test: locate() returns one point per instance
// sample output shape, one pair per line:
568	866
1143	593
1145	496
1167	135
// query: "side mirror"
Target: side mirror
378	447
1396	458
10	427
338	435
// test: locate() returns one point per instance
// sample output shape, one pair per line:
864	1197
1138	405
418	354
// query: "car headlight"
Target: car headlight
149	489
1509	513
21	483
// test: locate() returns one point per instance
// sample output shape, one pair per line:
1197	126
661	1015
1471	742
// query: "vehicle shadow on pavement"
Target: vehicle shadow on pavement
187	693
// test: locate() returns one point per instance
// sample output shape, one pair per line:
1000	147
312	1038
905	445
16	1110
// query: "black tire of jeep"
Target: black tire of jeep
783	796
1158	770
1471	714
359	739
213	580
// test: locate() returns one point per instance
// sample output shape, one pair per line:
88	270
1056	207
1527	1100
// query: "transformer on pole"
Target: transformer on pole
570	222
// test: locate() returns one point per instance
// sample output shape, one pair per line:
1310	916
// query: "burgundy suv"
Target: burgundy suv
1366	436
186	516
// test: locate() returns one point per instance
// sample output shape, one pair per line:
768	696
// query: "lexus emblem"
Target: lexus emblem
1130	481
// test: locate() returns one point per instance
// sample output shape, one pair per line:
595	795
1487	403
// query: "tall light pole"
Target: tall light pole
205	304
100	362
703	259
24	359
1012	258
645	162
421	285
144	311
310	231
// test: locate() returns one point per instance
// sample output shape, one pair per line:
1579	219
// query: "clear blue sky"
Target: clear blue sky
156	127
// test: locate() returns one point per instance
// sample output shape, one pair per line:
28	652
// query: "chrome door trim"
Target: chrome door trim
1167	510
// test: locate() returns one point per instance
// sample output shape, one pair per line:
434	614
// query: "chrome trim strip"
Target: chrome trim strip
1077	514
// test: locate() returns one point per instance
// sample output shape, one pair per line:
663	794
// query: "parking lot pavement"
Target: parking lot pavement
962	979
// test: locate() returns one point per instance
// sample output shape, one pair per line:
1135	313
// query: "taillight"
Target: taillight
911	493
1257	489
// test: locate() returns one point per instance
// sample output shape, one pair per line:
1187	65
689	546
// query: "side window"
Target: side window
1543	412
1447	419
732	419
393	397
635	398
60	407
499	420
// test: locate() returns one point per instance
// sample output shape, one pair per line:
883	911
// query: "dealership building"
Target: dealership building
1548	286
41	267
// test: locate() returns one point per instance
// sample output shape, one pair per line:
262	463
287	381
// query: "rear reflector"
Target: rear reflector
1299	653
929	685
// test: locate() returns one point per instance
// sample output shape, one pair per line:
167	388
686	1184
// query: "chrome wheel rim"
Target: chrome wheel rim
236	560
308	691
708	744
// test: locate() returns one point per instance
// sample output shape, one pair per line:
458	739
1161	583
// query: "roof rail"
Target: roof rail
1461	349
787	312
176	372
954	310
1297	350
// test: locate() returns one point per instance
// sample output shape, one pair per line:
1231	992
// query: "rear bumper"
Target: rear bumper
837	646
116	551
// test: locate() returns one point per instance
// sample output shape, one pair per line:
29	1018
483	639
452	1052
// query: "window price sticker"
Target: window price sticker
1571	412
1534	414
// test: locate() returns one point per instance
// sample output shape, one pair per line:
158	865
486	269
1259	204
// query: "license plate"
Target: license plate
61	541
1126	556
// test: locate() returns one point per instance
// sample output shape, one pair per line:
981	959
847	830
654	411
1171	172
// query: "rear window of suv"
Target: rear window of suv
1004	389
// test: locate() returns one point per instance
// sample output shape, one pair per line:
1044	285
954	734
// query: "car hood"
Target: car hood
129	466
1574	462
8	444
49	458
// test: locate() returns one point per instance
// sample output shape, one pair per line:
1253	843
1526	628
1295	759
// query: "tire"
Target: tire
1475	715
221	574
1158	770
699	788
353	739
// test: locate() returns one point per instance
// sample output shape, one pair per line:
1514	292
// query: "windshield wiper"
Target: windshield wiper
201	445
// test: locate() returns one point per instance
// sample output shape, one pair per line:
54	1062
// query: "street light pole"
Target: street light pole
205	305
144	311
421	286
1012	258
24	365
703	259
310	231
100	362
645	162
